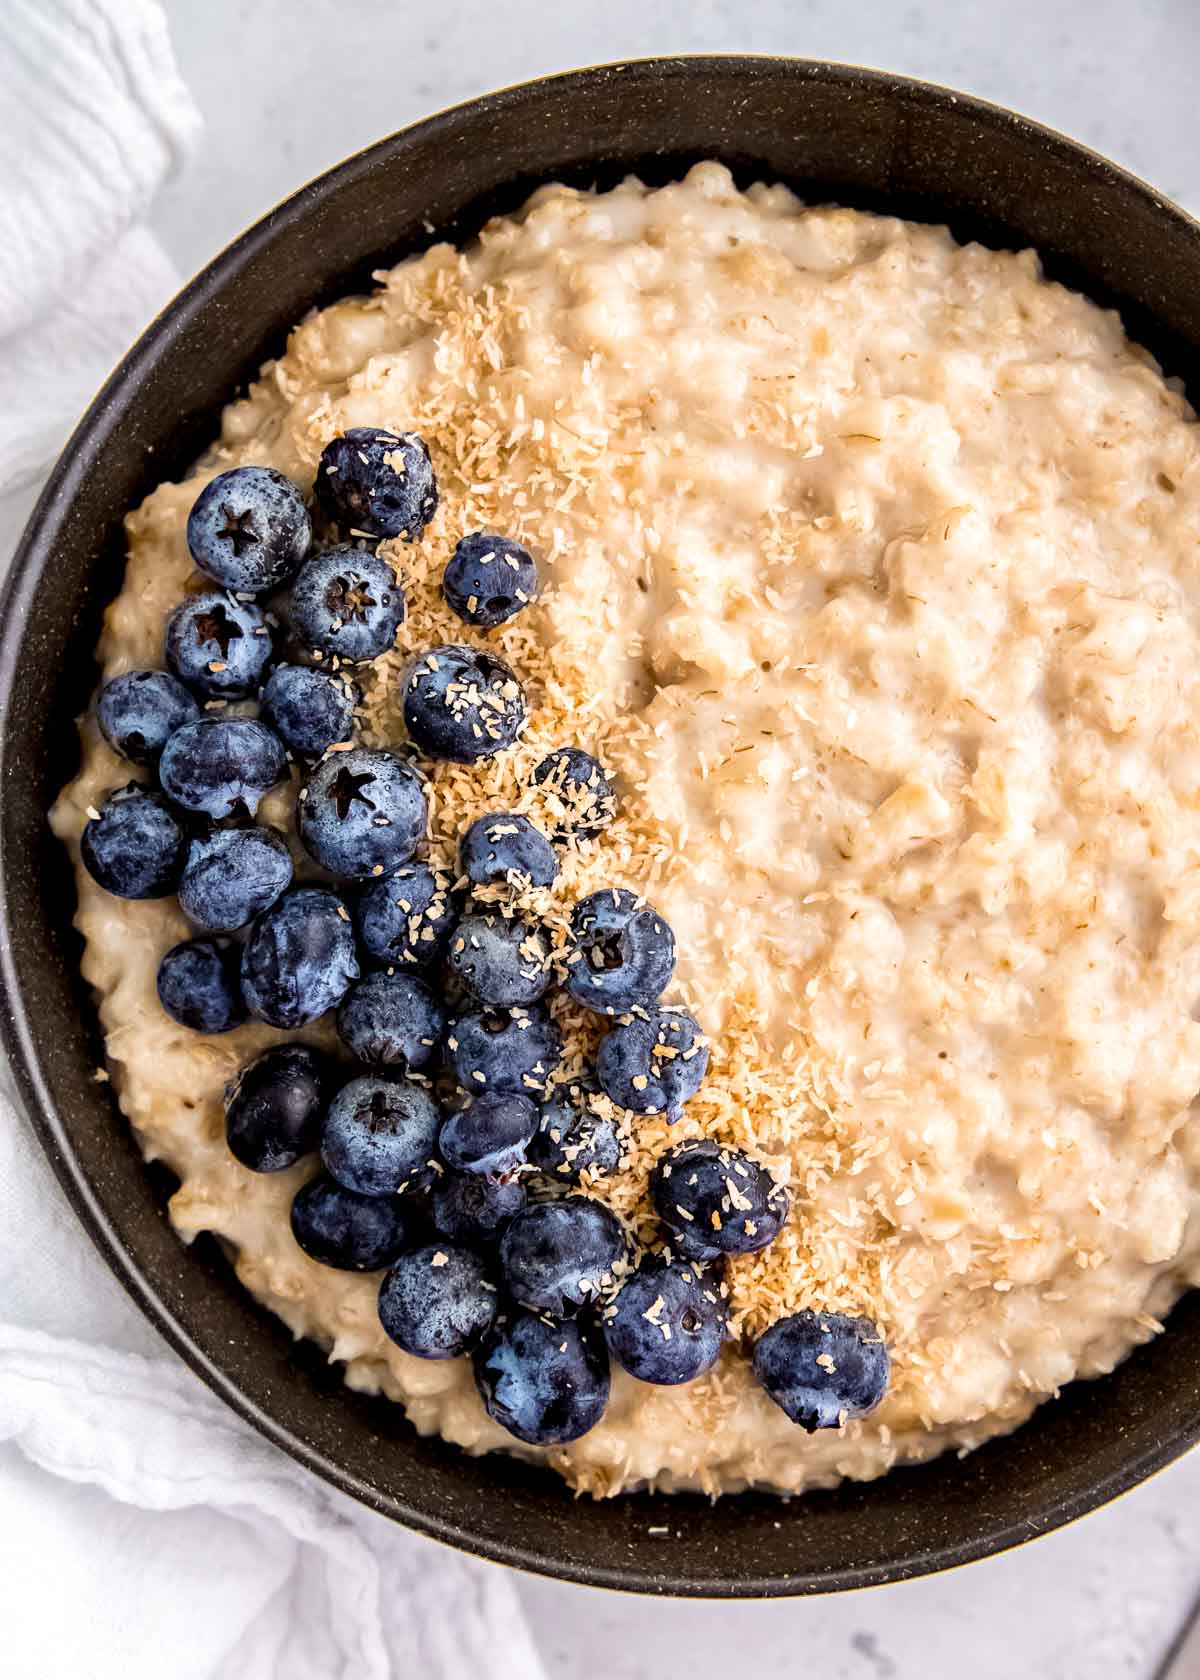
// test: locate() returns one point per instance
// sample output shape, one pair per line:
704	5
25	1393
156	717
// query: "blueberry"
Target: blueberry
503	844
462	704
139	711
437	1302
273	1108
219	646
668	1322
489	579
198	985
221	766
502	960
686	1244
391	1020
362	812
653	1061
299	959
823	1368
354	1233
580	793
134	847
380	1135
473	1208
309	709
545	1382
571	1137
407	916
720	1200
346	602
624	952
232	875
489	1134
249	529
559	1256
378	482
505	1050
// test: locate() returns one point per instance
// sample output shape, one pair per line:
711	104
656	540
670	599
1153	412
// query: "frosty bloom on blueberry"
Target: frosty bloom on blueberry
462	704
624	952
504	845
249	529
557	1257
406	916
219	646
221	767
572	1138
474	1208
544	1380
337	1227
580	793
380	1136
198	985
392	1020
505	1049
503	960
362	812
668	1322
233	875
714	1200
489	1134
823	1368
299	960
308	708
489	579
134	845
139	711
345	604
378	483
438	1301
653	1061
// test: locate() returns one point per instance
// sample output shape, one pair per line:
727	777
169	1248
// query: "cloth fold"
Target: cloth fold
143	1527
323	1590
94	120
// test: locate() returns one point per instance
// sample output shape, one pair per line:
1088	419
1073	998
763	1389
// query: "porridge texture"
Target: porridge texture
872	569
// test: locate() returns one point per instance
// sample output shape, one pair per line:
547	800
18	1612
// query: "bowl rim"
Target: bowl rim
18	1040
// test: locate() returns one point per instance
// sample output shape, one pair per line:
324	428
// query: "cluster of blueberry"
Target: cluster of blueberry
539	1292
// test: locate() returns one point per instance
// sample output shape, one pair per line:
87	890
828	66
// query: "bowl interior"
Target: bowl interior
835	134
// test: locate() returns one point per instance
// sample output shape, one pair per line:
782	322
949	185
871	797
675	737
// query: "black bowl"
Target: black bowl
854	136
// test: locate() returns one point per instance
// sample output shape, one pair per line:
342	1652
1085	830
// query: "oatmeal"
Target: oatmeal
871	570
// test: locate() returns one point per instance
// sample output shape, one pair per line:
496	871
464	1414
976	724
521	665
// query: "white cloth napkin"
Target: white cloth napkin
144	1529
93	118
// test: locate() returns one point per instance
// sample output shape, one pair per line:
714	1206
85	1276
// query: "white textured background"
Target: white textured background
289	87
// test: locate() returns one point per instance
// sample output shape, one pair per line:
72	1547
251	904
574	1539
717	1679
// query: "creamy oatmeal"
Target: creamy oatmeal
873	571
